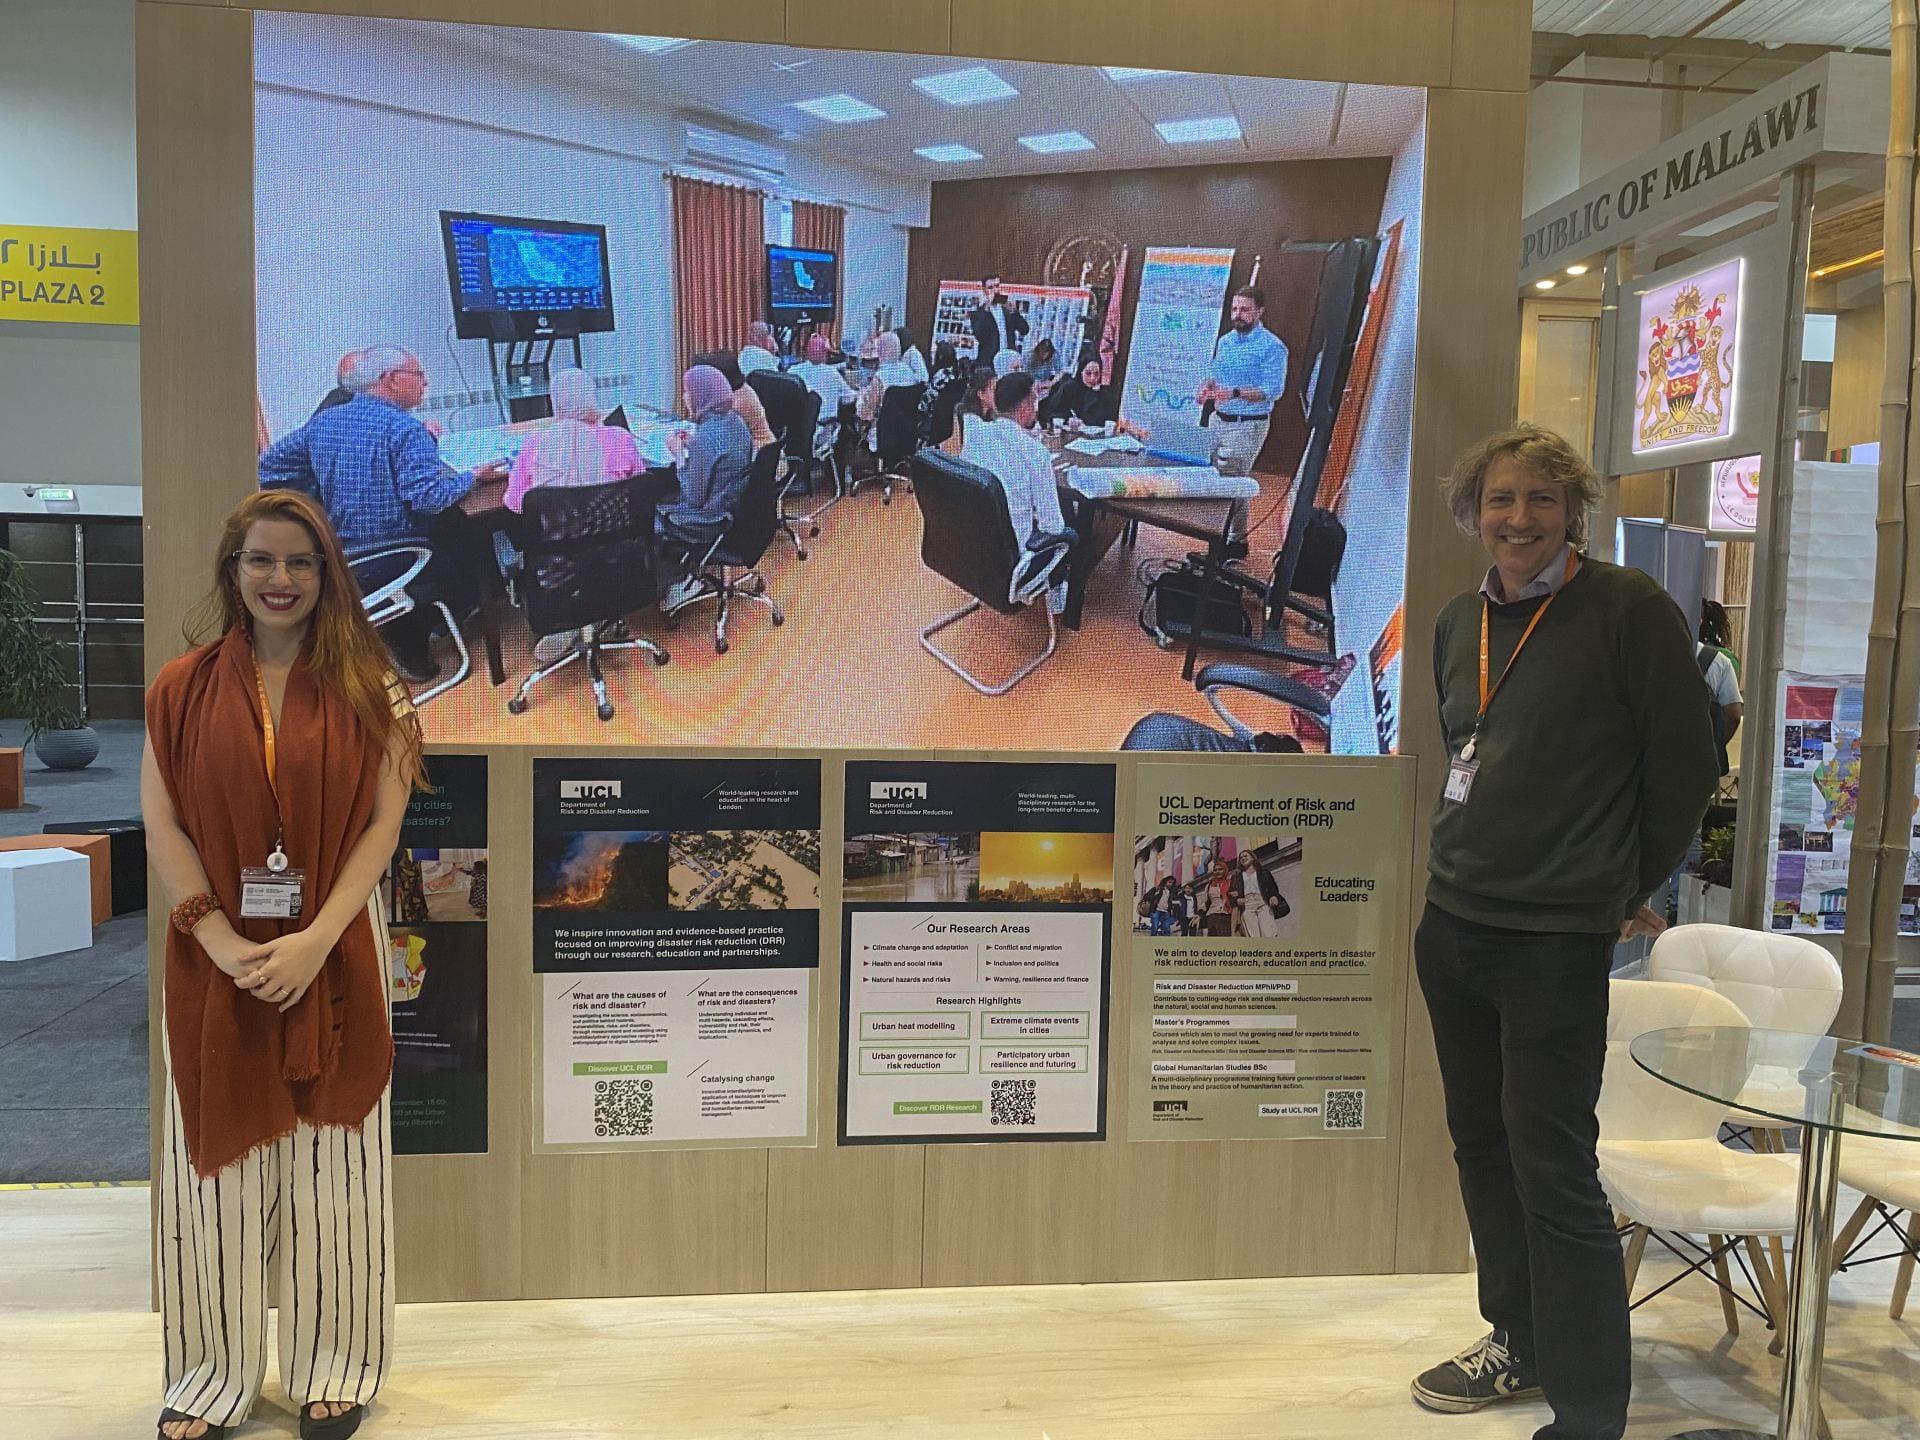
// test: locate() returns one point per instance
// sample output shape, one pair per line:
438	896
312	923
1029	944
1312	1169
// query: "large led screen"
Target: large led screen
1086	409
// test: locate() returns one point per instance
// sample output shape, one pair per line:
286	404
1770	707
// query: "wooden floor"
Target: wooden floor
847	668
1313	1359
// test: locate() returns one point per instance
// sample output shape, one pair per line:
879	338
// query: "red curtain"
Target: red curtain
821	227
719	260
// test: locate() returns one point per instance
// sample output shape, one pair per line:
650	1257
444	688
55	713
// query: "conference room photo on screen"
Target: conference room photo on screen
669	391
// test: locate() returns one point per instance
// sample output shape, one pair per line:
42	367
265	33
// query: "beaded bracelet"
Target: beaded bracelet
192	910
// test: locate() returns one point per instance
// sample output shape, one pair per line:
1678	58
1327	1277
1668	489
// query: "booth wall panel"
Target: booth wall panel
1492	44
1382	42
905	26
1469	325
979	227
763	21
516	1223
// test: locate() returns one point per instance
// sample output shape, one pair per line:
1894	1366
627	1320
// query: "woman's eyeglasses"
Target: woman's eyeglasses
261	564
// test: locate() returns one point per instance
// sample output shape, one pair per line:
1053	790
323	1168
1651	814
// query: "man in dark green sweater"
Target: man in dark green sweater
1582	758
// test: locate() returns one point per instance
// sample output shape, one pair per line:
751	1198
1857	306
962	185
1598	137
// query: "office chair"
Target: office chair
896	431
792	412
727	564
388	576
936	424
1165	731
966	537
589	563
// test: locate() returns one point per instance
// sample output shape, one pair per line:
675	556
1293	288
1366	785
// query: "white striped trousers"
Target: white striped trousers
308	1218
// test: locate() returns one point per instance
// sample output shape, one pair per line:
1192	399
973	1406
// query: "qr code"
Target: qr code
1345	1110
622	1107
1012	1102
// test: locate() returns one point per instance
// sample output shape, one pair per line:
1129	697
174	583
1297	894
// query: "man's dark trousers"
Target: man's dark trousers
1520	1024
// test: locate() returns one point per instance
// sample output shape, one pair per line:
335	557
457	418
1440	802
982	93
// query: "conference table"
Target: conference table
1101	521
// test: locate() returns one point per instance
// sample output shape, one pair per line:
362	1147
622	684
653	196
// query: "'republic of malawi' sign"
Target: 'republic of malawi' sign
1837	104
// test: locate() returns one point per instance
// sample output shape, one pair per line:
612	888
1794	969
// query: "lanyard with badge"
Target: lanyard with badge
273	891
1464	766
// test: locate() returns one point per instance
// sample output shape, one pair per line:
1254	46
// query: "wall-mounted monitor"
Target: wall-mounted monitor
802	285
518	279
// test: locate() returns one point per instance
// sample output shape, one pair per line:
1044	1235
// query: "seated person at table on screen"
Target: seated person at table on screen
576	449
1084	399
823	378
713	465
762	350
1008	447
377	471
891	370
973	414
746	400
1043	363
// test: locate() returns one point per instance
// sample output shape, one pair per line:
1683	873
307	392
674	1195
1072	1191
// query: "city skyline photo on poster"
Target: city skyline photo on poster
1689	347
657	253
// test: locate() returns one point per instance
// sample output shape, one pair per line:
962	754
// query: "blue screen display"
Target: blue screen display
801	281
521	267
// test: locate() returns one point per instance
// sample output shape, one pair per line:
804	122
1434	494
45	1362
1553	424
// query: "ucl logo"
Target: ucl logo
897	790
589	789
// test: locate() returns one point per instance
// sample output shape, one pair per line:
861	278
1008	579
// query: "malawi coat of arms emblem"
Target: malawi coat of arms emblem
1685	389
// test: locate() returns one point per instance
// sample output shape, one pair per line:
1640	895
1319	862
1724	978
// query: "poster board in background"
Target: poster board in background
1261	1011
436	896
676	939
1699	360
1176	322
1054	312
977	901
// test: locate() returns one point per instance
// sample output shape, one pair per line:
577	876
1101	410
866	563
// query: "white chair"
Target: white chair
1779	982
1663	1166
1887	1172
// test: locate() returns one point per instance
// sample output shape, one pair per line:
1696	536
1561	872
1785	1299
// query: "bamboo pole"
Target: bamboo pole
1882	830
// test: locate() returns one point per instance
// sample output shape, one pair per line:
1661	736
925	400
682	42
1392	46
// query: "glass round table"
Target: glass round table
1831	1087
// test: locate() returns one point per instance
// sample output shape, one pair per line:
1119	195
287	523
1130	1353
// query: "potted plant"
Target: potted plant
33	677
1706	894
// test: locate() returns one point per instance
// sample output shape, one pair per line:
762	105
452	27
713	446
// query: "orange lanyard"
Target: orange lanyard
1487	692
266	726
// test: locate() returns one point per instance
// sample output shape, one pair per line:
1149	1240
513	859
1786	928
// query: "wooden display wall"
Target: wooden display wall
511	1224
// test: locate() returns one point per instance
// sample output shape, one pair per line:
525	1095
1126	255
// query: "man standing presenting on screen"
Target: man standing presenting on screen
996	325
1249	374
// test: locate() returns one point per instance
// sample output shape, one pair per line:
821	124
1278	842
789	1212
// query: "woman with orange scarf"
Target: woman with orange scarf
279	759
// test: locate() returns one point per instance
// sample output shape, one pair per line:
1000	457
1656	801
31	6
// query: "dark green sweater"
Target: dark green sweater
1597	756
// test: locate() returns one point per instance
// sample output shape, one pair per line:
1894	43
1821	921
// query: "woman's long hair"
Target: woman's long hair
343	649
978	398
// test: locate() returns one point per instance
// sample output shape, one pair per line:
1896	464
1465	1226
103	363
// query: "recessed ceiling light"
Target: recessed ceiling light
971	86
1124	73
651	44
1543	284
1057	143
1576	269
1192	132
947	154
841	109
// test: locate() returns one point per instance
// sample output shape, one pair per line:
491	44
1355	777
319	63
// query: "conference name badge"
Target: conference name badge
271	894
1460	779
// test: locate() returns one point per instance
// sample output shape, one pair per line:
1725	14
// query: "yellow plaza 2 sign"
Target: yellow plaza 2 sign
87	277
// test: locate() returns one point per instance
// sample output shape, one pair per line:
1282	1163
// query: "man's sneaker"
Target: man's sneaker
1477	1377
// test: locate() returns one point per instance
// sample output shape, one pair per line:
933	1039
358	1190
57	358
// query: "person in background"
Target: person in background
1159	902
890	371
746	400
1005	362
1248	377
1083	399
339	394
820	375
945	386
974	412
377	472
1043	364
1716	629
713	465
280	736
762	350
911	353
996	325
1582	759
1007	446
1213	901
576	449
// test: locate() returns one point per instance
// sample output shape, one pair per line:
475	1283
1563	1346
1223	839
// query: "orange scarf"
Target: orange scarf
245	1073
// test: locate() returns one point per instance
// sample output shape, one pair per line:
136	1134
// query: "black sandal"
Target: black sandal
170	1416
334	1427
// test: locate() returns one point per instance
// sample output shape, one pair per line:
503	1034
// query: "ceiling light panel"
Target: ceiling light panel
1125	73
1195	132
947	154
973	86
842	109
651	44
1058	143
